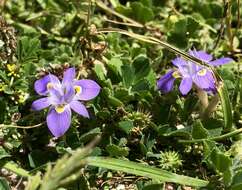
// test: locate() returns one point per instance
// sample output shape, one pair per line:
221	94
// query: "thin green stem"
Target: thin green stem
238	20
153	41
221	30
228	25
107	9
218	138
211	106
21	127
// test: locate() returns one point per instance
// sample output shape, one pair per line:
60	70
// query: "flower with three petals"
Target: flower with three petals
192	73
62	97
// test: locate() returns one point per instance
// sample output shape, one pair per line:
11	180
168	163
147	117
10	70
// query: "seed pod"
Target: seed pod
8	42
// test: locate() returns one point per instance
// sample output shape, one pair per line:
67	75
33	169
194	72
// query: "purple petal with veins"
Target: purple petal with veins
59	123
205	82
40	85
185	86
40	104
202	55
89	89
221	61
69	76
79	108
165	83
179	62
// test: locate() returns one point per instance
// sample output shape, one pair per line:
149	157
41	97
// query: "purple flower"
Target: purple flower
191	73
62	97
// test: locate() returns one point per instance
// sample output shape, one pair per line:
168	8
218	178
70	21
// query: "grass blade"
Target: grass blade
144	170
166	45
13	167
226	106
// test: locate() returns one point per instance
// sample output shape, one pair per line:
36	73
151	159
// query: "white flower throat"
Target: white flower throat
60	108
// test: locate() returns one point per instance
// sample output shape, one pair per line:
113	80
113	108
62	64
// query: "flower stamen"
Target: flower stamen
49	86
60	108
202	72
78	89
176	74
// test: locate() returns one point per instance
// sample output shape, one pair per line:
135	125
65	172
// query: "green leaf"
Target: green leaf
144	170
3	153
208	147
221	161
213	126
115	64
198	131
183	30
184	132
141	85
126	126
114	101
116	151
228	177
16	169
141	13
141	67
237	187
89	135
4	184
128	75
100	70
226	106
27	49
237	181
123	94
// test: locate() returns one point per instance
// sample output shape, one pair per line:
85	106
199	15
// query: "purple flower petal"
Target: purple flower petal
79	108
69	76
165	83
40	85
188	70
89	89
201	55
59	123
205	81
185	86
69	93
40	104
221	61
56	96
179	62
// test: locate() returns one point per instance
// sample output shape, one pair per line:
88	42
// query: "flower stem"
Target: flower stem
228	25
203	97
218	138
21	127
211	106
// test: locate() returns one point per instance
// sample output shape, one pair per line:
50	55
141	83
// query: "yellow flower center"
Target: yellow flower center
202	72
60	108
78	89
176	74
50	86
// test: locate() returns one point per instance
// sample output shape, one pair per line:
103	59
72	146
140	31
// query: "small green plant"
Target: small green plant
170	160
